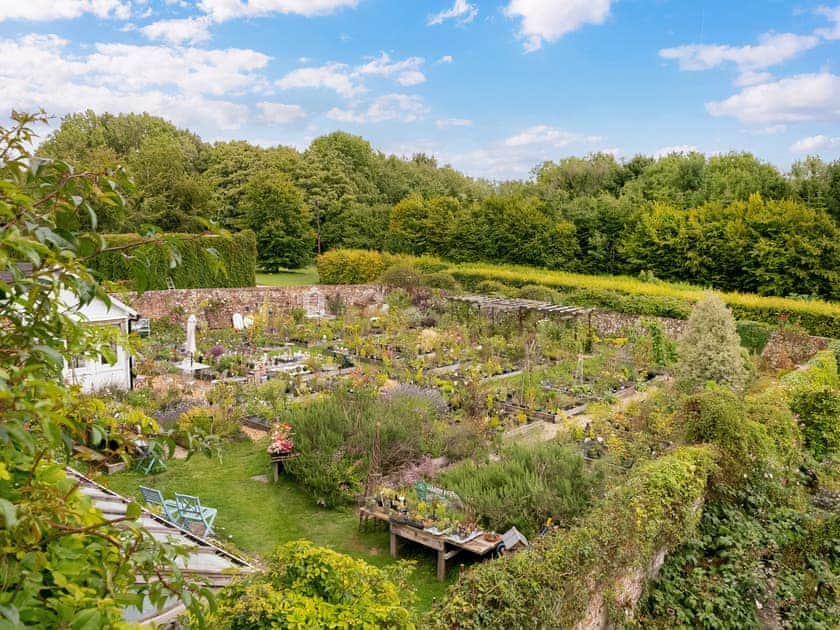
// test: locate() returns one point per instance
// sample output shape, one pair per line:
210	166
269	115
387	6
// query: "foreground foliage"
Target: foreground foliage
305	586
64	564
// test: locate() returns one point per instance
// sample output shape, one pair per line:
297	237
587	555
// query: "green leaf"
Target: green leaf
89	619
133	510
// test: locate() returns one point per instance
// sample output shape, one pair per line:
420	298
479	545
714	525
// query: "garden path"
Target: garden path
550	430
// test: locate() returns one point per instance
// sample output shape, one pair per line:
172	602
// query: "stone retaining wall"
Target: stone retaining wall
607	323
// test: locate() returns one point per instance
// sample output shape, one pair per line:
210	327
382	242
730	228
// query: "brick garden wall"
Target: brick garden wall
215	307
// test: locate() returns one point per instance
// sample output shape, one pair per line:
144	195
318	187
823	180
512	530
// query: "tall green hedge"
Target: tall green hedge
197	268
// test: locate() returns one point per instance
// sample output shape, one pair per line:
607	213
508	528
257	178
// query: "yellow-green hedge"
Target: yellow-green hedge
662	299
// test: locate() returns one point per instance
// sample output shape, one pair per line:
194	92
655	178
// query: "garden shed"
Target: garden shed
94	374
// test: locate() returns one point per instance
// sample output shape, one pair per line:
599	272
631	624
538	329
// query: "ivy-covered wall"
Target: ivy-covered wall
582	575
197	267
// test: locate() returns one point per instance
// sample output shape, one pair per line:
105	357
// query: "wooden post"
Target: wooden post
394	553
441	565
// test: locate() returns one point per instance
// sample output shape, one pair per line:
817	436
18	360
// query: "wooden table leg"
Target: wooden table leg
276	467
441	565
394	545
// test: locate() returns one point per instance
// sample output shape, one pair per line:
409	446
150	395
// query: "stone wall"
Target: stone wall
786	350
215	307
607	323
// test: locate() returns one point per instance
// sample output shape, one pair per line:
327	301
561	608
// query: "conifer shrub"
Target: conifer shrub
351	266
710	350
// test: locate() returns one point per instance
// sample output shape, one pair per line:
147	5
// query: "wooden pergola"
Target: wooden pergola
517	305
521	307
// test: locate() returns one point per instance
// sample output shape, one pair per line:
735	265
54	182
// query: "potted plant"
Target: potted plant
281	443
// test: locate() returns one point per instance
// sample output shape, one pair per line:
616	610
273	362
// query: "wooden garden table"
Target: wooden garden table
446	548
278	462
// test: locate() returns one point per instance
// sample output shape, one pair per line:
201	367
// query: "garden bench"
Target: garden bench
192	512
153	496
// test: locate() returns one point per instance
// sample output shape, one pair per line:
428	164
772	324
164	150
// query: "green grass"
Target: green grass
290	278
258	516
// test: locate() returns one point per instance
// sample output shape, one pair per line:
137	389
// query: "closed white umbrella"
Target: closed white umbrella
191	323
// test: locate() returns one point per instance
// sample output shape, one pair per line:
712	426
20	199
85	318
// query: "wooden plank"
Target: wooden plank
418	535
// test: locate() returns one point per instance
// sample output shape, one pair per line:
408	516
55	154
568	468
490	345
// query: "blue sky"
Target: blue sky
493	87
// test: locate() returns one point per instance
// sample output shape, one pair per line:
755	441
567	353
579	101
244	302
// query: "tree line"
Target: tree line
729	221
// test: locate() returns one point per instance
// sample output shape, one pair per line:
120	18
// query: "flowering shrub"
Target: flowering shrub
281	439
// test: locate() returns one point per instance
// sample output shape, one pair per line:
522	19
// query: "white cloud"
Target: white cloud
348	81
548	136
517	155
46	10
813	144
280	113
192	30
805	97
772	49
446	123
333	76
223	10
445	59
405	72
189	86
400	107
751	77
681	149
833	15
549	20
462	11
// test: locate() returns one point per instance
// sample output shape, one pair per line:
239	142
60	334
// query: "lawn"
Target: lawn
257	516
290	278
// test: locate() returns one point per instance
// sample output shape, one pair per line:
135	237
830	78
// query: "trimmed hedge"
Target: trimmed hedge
361	266
197	268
